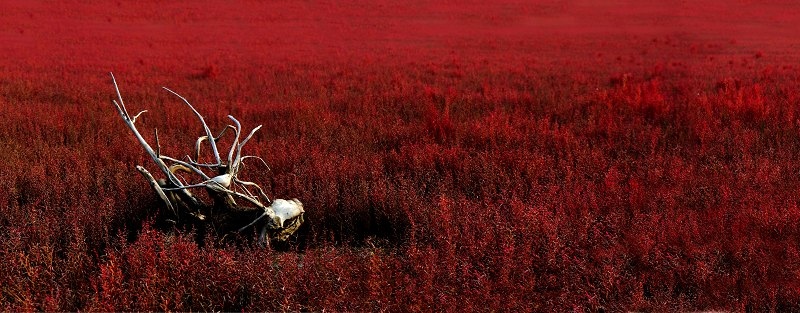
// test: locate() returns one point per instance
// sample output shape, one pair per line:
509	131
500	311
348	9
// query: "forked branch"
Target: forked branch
278	220
205	126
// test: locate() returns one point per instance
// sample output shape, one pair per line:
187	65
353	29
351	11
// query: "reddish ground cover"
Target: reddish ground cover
451	156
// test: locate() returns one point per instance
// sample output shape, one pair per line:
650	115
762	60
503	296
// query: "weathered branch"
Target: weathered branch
224	215
203	121
255	157
121	104
159	191
239	149
158	144
235	143
204	138
133	120
187	165
247	183
125	118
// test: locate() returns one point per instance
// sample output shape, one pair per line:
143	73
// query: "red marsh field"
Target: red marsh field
451	156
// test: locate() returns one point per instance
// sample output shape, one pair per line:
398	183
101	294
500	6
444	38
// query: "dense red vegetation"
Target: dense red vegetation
545	157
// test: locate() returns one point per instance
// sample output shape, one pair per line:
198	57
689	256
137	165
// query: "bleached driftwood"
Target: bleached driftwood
220	179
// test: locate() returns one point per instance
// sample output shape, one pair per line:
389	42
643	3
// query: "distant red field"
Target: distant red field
475	156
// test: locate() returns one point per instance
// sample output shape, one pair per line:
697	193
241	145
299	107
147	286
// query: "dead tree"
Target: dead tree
220	179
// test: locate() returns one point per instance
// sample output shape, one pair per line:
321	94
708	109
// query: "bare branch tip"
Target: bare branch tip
133	120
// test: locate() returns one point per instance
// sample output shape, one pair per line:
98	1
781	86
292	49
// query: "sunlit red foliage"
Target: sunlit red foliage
450	157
